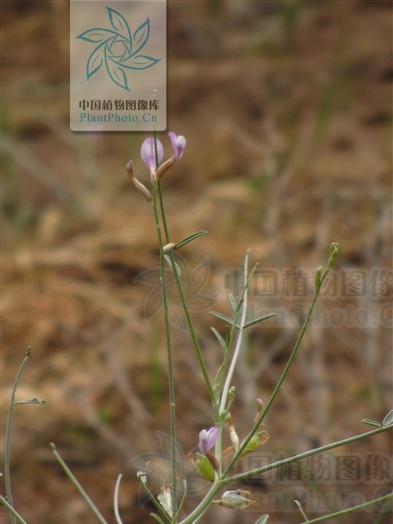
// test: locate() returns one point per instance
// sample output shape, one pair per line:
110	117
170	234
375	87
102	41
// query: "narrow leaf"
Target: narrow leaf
260	319
157	518
219	337
388	420
222	317
371	422
189	239
31	401
262	520
232	301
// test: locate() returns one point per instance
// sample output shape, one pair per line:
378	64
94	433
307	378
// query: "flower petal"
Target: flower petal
178	144
207	439
148	152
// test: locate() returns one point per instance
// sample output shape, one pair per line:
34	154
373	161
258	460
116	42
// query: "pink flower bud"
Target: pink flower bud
148	155
207	439
178	144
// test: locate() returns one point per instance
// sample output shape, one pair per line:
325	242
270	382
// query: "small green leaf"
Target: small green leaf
260	319
219	337
371	422
262	520
388	420
31	401
157	518
232	301
169	261
189	239
222	317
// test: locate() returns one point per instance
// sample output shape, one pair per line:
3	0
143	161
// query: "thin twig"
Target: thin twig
8	437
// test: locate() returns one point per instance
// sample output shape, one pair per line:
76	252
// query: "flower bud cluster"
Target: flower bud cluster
152	153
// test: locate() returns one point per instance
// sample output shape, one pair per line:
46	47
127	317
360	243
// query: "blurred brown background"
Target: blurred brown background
286	107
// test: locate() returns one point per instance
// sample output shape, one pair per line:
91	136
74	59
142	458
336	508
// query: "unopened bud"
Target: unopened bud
233	435
213	461
260	407
140	187
333	254
318	275
164	167
236	499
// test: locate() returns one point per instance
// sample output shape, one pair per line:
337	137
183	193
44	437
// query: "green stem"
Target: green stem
194	337
172	411
185	308
13	513
349	510
383	510
333	445
70	475
163	212
8	438
281	380
205	504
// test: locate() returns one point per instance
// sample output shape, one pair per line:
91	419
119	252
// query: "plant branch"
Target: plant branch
8	437
333	445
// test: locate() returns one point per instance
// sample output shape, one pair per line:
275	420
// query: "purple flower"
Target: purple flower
207	439
148	154
178	144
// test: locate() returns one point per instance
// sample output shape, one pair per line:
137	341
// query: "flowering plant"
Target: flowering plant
209	462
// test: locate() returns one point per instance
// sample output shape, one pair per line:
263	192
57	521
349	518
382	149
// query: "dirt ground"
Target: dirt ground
286	108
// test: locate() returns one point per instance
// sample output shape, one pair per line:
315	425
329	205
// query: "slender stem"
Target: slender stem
172	411
182	500
349	510
155	502
238	342
13	513
8	437
205	504
163	212
116	500
193	336
279	383
333	445
383	510
70	475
